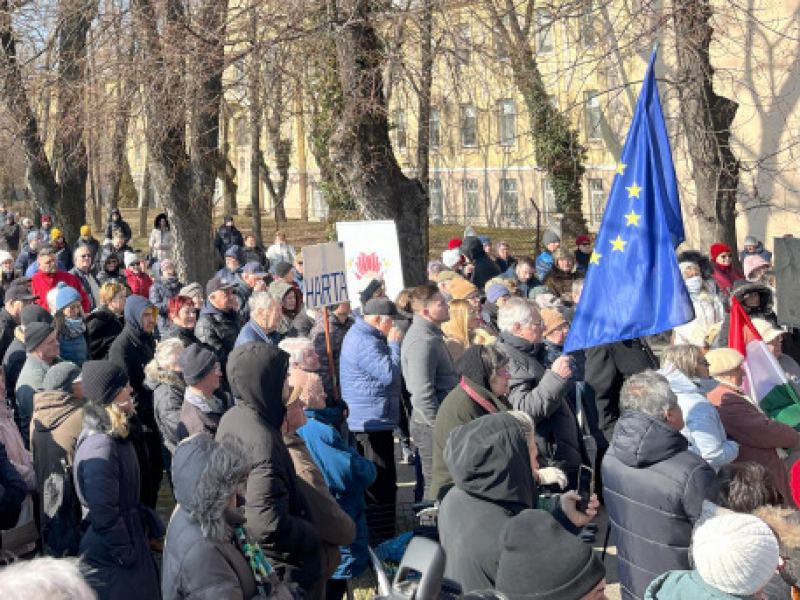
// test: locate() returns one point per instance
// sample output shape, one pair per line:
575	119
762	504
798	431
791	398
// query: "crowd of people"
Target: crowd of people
278	442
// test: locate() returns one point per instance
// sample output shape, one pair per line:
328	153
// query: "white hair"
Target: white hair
647	392
45	579
515	310
262	300
296	348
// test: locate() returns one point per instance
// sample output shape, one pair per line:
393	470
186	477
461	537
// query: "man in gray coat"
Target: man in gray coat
535	390
428	370
41	346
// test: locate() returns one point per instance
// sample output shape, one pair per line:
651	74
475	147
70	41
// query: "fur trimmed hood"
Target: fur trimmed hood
205	474
156	376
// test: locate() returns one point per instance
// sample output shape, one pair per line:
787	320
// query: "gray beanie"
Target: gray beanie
550	237
61	376
750	240
35	334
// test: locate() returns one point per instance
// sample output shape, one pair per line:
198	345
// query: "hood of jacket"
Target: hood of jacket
256	372
473	248
205	475
135	306
95	419
51	409
641	441
742	288
489	459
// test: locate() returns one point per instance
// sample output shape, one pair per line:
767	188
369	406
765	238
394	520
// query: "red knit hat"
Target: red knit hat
717	249
581	239
454	243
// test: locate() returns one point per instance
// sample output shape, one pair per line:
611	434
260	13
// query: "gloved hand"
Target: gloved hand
552	475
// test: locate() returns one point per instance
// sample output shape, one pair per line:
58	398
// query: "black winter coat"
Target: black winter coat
12	491
102	328
168	389
654	490
227	237
118	225
277	515
115	546
607	368
10	237
186	336
485	267
489	461
256	254
338	331
7	327
217	331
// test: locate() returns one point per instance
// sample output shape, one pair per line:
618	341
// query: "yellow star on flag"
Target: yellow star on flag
633	218
618	244
621	168
595	258
633	191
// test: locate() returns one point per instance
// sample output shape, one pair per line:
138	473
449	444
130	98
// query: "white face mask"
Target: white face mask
694	284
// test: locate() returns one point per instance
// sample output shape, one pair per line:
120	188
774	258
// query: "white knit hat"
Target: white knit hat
735	553
451	257
130	258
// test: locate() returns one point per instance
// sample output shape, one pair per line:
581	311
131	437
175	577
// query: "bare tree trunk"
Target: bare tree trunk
707	119
425	84
184	182
360	146
254	97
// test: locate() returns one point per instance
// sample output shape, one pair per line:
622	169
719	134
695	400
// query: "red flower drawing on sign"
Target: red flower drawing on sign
368	266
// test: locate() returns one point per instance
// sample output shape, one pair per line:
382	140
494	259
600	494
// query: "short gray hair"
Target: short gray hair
296	348
262	300
45	577
649	393
515	310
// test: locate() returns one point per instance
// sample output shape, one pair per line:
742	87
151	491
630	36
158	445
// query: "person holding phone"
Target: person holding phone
496	476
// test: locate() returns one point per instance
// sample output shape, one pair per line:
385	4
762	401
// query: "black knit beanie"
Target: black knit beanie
35	334
471	365
103	380
540	559
196	362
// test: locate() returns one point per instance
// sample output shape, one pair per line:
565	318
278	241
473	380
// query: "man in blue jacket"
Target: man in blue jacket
370	379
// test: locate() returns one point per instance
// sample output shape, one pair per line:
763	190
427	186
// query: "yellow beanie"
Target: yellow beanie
86	230
55	233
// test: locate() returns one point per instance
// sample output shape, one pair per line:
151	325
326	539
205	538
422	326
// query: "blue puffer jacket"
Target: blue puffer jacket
348	475
370	377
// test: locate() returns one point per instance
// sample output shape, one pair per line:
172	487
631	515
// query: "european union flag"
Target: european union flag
633	286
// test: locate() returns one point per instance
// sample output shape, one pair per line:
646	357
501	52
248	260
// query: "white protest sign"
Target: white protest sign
371	252
324	275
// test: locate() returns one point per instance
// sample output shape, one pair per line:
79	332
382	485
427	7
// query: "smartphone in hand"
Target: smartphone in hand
585	487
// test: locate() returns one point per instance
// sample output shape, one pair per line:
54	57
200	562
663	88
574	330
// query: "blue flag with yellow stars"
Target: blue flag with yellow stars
633	285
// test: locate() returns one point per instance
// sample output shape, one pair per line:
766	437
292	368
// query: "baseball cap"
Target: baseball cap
217	283
381	306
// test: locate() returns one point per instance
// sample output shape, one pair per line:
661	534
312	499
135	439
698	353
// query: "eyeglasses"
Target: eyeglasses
586	243
537	323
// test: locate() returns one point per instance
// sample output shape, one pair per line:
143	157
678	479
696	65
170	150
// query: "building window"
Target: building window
597	200
469	126
463	43
400	130
509	199
434	133
593	116
507	119
544	32
549	196
500	45
471	198
242	132
437	200
318	204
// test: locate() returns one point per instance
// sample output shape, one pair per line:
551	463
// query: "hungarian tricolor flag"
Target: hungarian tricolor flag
765	379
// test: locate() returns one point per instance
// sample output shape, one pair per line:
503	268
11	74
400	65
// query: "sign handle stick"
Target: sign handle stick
331	365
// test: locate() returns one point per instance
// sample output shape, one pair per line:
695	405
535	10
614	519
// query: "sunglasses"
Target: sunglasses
586	243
